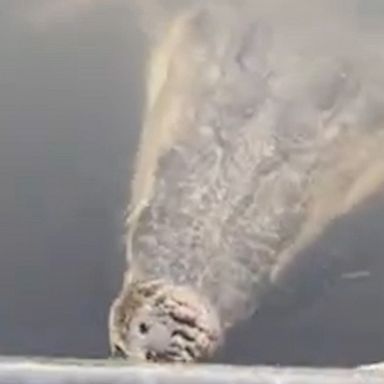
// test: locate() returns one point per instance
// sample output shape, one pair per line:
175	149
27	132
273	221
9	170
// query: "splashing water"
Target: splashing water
259	130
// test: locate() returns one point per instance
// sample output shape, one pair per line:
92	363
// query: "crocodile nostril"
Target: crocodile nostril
144	328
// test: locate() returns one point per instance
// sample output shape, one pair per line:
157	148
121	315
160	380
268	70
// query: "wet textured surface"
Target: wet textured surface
157	322
253	143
